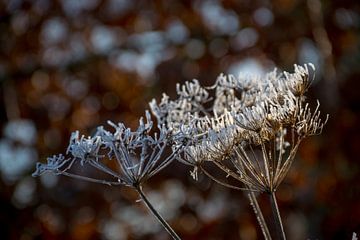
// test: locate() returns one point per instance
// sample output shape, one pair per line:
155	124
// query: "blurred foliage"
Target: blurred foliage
67	65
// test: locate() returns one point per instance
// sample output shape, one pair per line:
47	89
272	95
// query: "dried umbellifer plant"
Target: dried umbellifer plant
139	155
249	127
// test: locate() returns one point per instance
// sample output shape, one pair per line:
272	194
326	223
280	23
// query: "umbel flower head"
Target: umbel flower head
138	154
249	127
252	129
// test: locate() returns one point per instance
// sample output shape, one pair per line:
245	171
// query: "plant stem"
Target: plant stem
277	217
156	214
259	216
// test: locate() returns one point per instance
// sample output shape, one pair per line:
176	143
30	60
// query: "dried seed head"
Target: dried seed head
244	132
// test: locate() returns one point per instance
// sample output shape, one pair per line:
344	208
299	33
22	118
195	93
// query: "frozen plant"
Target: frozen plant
248	127
251	131
139	155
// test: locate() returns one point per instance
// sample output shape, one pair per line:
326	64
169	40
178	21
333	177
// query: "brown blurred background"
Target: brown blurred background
73	64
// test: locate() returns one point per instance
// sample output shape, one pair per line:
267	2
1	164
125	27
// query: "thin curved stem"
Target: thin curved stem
225	184
253	202
259	216
156	214
277	218
109	183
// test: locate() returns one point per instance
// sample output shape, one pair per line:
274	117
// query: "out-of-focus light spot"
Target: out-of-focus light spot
51	219
152	41
76	88
193	198
218	19
309	53
127	214
190	70
21	130
24	192
20	22
146	225
116	8
140	222
189	223
82	118
288	52
56	105
152	48
54	31
92	104
175	192
177	32
143	22
213	208
156	196
126	60
246	38
55	56
15	161
103	39
82	224
113	230
49	180
263	17
286	194
13	5
40	80
73	8
41	6
247	232
52	138
77	46
218	47
248	66
174	195
146	65
143	64
110	101
195	48
347	18
84	215
297	226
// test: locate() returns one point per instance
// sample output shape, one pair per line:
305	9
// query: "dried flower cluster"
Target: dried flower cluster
138	154
251	128
248	127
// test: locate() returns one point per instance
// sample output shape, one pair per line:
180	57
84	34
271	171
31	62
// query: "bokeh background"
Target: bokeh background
67	65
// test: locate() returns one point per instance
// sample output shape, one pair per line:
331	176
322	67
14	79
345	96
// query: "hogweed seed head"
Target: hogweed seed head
139	154
253	129
54	164
249	127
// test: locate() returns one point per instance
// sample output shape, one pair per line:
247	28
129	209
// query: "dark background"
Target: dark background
67	65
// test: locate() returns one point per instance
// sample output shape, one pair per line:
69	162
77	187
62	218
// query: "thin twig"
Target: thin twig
109	183
277	218
156	214
225	184
259	216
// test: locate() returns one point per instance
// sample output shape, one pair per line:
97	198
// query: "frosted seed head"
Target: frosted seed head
54	163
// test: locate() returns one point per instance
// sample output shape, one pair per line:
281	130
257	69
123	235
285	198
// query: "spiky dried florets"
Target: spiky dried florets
250	127
248	113
139	153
